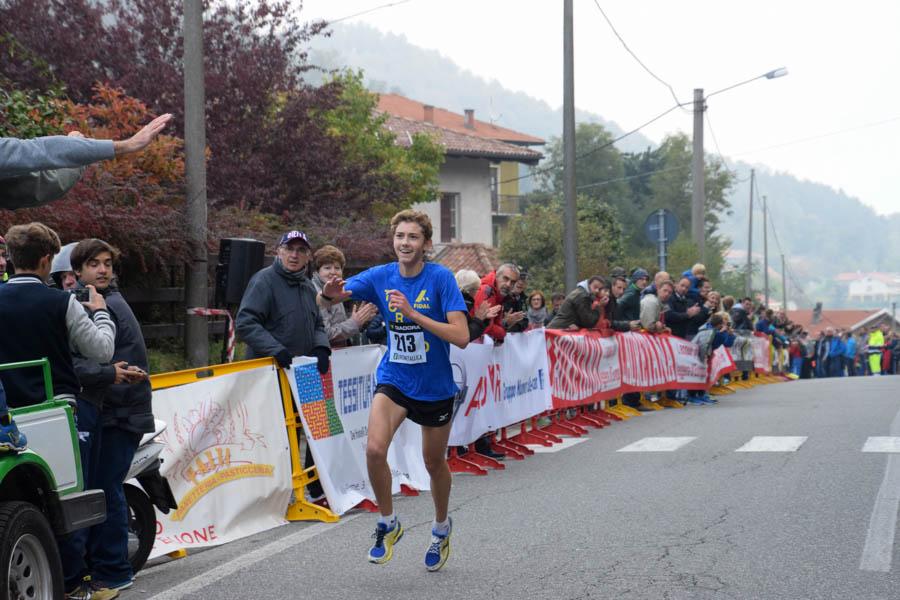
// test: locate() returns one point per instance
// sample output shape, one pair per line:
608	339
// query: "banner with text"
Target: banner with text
586	367
499	385
226	459
334	409
721	363
762	361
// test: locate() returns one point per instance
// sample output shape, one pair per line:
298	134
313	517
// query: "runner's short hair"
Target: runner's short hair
413	216
88	249
28	244
327	255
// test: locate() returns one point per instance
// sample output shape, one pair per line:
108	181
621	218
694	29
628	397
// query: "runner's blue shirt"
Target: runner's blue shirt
417	361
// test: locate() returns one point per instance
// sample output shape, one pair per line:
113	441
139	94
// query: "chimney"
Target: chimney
429	113
470	118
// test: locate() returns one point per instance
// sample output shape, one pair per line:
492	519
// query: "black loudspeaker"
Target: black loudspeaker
239	259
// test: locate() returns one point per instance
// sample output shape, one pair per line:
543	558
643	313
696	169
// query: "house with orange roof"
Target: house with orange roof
479	179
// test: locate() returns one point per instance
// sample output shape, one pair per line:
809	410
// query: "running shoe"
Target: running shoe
383	549
439	550
11	439
87	590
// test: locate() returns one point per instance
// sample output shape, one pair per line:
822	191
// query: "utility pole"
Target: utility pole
748	287
570	223
196	332
698	200
766	250
783	285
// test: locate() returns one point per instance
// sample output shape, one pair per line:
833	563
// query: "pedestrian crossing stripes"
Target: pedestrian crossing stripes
882	444
766	443
762	443
657	444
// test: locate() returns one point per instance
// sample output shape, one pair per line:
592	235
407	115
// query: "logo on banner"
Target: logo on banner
217	447
316	396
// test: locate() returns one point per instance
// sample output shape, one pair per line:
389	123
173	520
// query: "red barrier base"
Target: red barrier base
368	506
559	428
535	436
507	451
408	491
586	421
481	460
461	465
508	443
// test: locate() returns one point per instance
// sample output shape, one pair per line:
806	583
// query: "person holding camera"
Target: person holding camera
114	411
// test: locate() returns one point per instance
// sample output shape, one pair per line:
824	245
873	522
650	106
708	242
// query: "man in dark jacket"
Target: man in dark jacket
583	308
628	307
114	412
278	315
681	310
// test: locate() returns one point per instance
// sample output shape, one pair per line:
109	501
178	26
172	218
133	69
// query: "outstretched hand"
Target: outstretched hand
334	289
142	138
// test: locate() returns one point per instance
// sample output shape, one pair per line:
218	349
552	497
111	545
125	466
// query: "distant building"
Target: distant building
871	288
851	320
479	189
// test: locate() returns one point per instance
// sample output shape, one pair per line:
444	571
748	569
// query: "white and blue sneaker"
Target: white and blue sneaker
439	550
385	538
11	439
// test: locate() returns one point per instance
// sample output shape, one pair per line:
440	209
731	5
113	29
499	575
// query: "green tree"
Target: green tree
398	175
533	240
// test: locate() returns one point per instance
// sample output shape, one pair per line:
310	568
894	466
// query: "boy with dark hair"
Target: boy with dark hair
114	412
425	313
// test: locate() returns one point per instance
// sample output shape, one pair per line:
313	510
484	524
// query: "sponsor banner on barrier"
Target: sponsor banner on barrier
226	459
761	357
584	367
334	409
720	363
690	370
499	385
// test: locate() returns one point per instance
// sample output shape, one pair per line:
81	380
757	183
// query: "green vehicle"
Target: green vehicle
42	496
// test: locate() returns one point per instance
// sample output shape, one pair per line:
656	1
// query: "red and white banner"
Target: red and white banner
584	367
499	386
762	362
721	363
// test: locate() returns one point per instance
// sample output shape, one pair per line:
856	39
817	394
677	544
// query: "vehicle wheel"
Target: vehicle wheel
29	559
141	526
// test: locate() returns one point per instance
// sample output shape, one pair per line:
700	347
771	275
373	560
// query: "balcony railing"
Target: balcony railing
507	206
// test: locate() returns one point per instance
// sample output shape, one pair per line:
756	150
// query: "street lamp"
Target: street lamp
698	219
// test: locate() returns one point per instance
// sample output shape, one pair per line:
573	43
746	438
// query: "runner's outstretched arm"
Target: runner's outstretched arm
455	331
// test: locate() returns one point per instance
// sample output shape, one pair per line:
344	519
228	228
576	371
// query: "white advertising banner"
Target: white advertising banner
690	370
334	409
500	385
720	363
226	459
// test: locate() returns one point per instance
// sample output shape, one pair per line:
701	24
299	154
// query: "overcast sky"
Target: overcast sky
843	59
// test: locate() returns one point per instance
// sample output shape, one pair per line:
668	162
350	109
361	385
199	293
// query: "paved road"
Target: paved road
590	521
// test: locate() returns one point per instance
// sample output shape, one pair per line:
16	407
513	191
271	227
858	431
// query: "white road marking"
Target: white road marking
878	553
657	444
567	442
882	444
763	443
248	560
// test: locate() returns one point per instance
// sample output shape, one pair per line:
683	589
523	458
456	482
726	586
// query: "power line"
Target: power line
367	11
716	143
820	136
592	150
635	56
629	177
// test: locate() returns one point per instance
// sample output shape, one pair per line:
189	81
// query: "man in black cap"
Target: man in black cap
279	316
628	308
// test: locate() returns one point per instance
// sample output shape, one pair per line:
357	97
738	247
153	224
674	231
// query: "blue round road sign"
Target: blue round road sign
670	226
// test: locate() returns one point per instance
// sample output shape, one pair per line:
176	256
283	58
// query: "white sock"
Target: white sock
389	520
441	528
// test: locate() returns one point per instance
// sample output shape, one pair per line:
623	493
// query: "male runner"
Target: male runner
425	313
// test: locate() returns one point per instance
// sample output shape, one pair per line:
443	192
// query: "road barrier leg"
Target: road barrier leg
505	442
649	403
302	509
558	427
481	460
458	464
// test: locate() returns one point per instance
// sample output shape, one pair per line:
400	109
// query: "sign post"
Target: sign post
661	227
